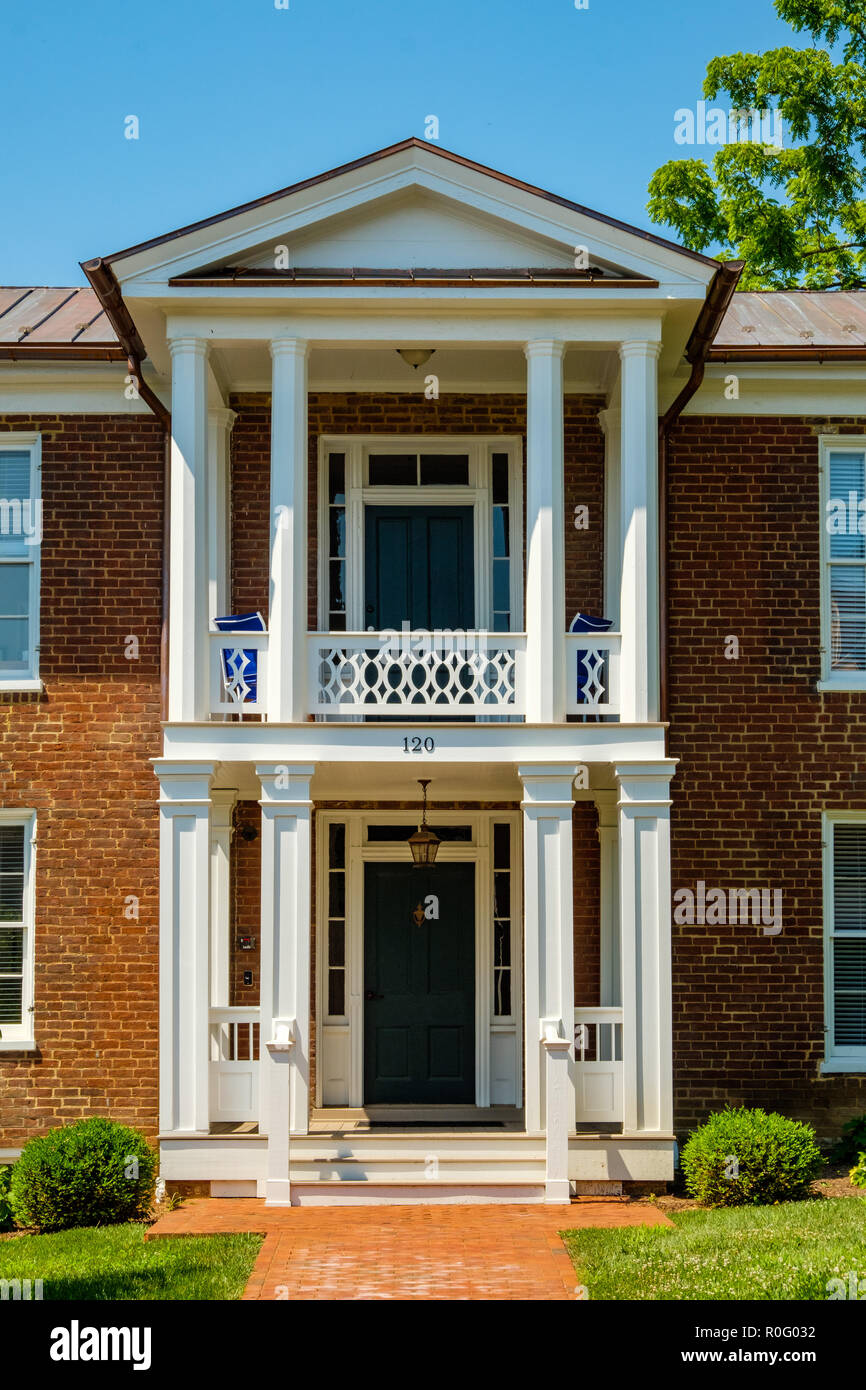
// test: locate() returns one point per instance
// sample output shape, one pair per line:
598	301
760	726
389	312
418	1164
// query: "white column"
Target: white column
184	939
639	594
645	913
285	966
188	640
219	511
287	624
545	535
611	424
610	990
222	804
548	927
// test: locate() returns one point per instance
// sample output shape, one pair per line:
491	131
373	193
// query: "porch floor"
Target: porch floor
407	1252
397	1119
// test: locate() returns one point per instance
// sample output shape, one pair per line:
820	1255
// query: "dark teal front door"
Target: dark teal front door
419	984
419	567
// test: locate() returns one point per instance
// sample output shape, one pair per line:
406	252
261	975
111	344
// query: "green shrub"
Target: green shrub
858	1172
851	1142
742	1157
92	1173
6	1222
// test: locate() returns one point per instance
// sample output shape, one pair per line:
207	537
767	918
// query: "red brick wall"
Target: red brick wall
79	754
587	905
344	413
762	754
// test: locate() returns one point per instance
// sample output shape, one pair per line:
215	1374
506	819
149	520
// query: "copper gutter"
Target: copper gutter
709	320
108	291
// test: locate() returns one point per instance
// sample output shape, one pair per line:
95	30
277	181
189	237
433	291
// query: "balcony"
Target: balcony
478	676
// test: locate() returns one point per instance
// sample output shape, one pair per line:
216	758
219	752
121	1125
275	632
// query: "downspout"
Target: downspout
714	308
108	291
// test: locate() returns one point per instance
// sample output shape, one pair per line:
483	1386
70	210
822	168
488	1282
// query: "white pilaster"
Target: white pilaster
610	984
645	913
548	926
545	534
184	939
611	424
285	966
287	624
222	806
639	594
219	422
188	672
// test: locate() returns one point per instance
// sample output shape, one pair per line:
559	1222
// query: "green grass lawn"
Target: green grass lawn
113	1262
787	1251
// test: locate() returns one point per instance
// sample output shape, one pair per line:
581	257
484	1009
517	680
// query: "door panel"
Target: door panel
419	567
419	1011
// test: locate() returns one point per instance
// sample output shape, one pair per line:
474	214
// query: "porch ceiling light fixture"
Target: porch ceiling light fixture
415	357
424	844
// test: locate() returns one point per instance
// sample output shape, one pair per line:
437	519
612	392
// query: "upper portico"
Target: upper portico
327	286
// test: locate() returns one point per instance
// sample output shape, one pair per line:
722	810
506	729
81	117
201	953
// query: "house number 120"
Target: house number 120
418	745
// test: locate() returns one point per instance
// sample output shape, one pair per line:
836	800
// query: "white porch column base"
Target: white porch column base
545	535
222	803
645	914
184	939
287	622
639	595
285	966
559	1109
188	670
548	932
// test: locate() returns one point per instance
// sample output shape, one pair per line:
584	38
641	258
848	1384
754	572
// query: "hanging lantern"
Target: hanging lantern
424	844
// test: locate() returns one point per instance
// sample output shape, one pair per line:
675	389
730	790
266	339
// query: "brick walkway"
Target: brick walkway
409	1252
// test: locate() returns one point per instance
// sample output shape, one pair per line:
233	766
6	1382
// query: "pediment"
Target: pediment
411	207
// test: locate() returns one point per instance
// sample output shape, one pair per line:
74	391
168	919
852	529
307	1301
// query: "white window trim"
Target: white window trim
830	679
19	1037
833	1062
478	495
30	681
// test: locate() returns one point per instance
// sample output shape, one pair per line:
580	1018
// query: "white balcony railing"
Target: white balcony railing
238	672
456	675
459	675
598	1066
592	661
234	1065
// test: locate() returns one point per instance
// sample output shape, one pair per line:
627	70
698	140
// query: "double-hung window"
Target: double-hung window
20	545
845	940
16	928
843	568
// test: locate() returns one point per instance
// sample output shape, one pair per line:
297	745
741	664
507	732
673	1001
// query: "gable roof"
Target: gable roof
430	148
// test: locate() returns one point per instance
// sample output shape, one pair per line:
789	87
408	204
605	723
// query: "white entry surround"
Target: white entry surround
340	1055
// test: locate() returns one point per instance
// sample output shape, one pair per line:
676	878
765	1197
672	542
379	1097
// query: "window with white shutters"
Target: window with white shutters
16	924
846	941
843	587
20	544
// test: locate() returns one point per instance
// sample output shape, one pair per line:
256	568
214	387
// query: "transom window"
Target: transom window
844	561
20	541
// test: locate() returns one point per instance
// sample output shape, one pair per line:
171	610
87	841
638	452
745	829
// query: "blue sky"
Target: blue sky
236	98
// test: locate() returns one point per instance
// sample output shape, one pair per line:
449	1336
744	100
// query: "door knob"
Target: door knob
371	994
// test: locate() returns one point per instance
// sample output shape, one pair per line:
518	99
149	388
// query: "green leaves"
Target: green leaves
795	215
